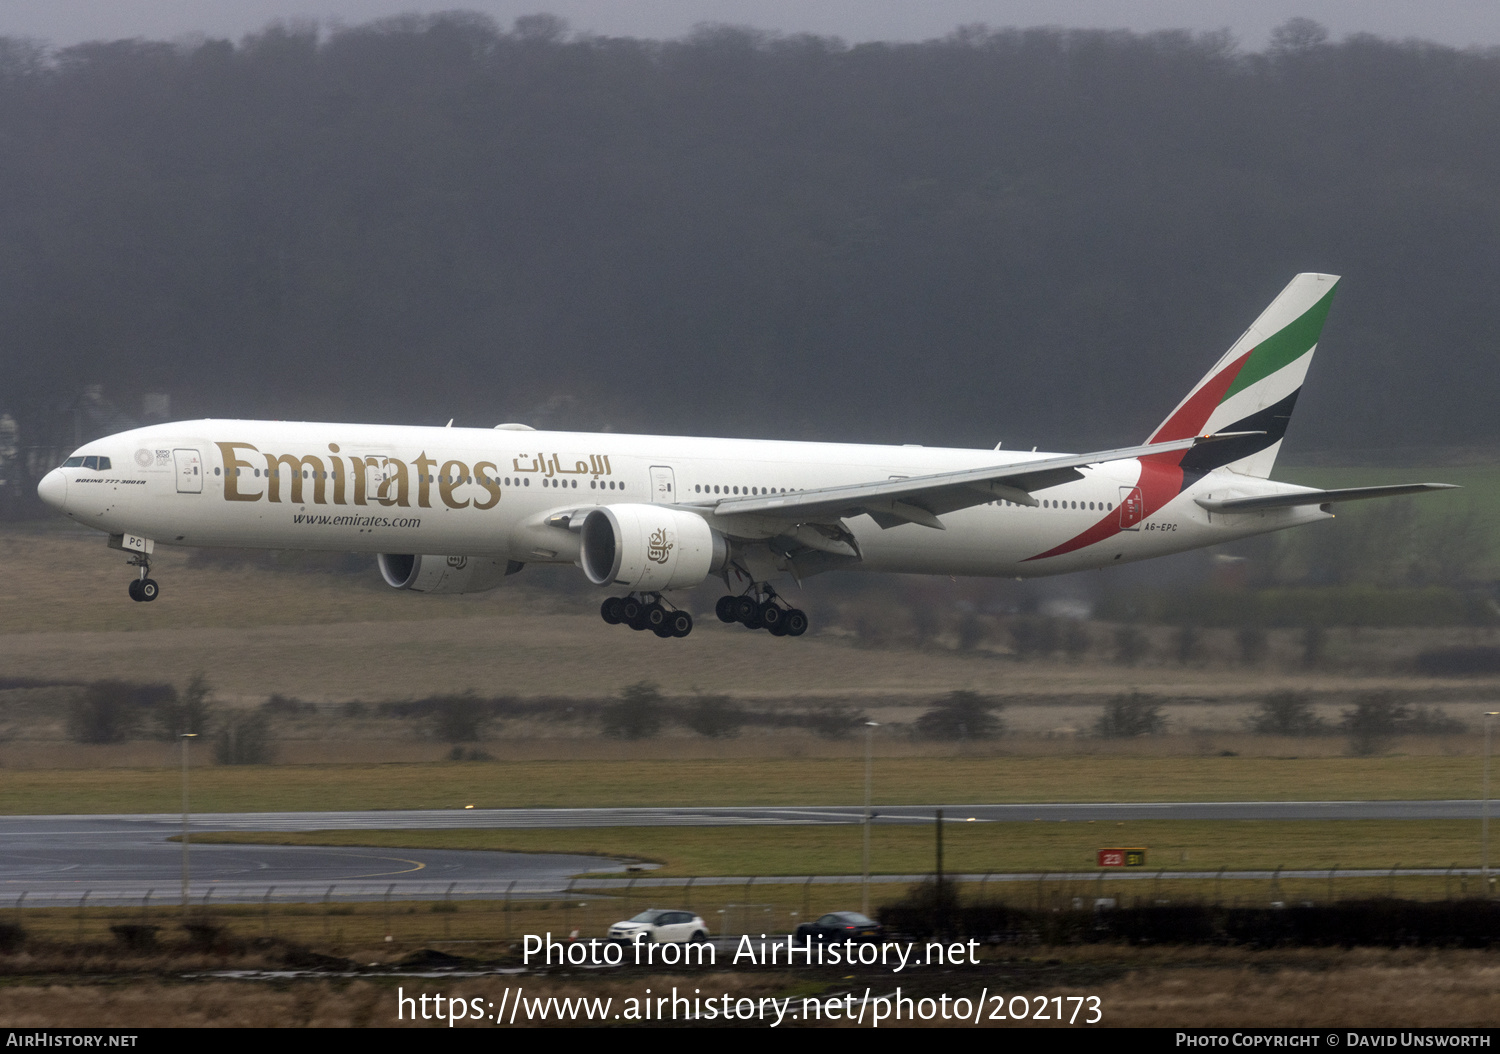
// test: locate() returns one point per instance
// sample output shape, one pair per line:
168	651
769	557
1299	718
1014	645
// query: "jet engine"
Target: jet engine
649	547
444	574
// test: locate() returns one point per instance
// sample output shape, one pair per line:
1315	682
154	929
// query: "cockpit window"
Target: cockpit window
99	464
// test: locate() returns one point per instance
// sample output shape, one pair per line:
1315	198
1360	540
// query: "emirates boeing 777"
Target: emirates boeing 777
456	510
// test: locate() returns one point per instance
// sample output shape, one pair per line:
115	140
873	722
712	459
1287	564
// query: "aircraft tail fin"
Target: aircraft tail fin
1254	387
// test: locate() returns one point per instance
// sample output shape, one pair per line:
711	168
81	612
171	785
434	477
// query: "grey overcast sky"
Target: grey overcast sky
1456	22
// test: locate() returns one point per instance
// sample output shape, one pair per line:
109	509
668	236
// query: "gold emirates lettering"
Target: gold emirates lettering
657	546
377	480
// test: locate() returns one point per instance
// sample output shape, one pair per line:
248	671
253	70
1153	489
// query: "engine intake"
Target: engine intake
649	547
444	574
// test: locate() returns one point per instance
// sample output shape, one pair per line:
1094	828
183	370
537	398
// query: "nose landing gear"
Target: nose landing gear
143	588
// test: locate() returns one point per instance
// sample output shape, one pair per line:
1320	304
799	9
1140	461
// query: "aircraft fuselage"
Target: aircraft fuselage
492	492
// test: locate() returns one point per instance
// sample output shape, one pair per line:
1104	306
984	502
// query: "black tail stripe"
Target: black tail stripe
1271	421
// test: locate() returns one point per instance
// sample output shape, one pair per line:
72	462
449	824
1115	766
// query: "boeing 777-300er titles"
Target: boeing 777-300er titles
650	514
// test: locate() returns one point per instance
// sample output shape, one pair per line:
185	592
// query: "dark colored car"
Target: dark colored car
842	926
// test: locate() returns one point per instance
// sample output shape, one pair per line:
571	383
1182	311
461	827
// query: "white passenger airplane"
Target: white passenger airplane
649	514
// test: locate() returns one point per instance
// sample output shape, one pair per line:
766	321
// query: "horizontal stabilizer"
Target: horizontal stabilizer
1317	497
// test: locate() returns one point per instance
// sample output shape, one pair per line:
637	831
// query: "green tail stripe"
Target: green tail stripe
1283	347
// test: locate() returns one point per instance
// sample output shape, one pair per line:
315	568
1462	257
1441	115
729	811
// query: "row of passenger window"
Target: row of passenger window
1048	503
566	484
720	489
102	464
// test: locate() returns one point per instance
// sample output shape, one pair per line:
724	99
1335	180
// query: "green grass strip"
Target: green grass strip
1172	845
897	781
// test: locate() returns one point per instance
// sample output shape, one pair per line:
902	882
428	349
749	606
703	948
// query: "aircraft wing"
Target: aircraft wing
922	499
1317	497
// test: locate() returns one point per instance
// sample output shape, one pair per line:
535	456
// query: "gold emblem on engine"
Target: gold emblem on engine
658	547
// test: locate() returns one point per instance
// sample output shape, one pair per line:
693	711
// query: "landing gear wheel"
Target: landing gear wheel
680	623
747	611
795	622
610	611
655	617
631	611
725	609
135	590
149	589
771	616
777	628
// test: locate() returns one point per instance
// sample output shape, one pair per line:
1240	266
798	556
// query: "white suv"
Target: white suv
659	926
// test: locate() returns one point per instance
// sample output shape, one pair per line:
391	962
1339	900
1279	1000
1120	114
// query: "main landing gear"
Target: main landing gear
143	588
769	613
642	611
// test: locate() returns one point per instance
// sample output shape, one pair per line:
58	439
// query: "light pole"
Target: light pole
1484	824
864	884
185	737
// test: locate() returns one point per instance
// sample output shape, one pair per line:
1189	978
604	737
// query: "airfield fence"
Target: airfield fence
346	916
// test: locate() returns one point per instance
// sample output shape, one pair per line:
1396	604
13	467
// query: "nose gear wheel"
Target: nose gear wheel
143	588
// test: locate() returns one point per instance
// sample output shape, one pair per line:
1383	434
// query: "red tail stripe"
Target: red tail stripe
1160	482
1190	418
1161	474
1105	528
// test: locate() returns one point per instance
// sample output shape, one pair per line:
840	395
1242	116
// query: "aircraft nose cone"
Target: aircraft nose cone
53	489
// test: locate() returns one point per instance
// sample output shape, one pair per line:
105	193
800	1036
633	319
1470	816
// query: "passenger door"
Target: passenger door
663	486
189	471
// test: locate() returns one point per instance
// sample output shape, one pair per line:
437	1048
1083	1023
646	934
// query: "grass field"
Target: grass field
740	781
326	637
280	624
1478	503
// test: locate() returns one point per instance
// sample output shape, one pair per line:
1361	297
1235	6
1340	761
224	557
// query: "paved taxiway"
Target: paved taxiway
115	859
727	816
55	859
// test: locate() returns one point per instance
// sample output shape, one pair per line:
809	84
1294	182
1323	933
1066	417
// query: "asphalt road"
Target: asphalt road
113	859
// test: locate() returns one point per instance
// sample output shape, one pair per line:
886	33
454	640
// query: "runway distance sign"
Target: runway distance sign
1122	857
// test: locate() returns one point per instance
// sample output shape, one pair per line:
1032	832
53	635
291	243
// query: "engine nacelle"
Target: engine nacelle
444	574
649	547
